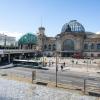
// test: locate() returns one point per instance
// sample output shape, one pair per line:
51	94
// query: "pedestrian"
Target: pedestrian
61	67
72	61
84	62
64	64
76	62
49	63
45	63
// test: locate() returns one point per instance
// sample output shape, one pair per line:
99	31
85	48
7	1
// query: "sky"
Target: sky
18	17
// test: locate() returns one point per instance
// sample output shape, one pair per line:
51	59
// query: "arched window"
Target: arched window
53	47
92	46
45	46
85	46
49	47
68	44
98	46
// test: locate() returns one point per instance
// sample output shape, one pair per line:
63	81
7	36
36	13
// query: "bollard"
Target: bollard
84	85
33	75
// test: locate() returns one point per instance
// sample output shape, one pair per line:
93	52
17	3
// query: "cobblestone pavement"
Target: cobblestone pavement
14	90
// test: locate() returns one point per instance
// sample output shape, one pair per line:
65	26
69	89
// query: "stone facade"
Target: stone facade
73	40
46	44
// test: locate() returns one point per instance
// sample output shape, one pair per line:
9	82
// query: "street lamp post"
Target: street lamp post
88	61
90	53
43	58
5	42
56	61
56	68
43	50
87	64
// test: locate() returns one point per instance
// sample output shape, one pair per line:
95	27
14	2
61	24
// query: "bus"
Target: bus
27	63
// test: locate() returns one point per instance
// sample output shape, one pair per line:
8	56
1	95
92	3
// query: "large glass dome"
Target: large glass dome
72	26
28	38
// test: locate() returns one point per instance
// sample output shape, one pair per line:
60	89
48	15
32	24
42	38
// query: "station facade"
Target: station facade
72	40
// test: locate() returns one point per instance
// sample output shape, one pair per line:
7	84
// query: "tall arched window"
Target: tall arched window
49	47
85	46
98	46
92	46
68	44
45	46
53	47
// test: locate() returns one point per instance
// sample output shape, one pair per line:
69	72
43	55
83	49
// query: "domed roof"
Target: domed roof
28	38
72	26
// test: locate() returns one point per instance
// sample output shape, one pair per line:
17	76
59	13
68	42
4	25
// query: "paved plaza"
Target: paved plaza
78	65
72	77
14	90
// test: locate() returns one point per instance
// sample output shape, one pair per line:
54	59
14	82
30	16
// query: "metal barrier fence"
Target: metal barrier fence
86	85
64	79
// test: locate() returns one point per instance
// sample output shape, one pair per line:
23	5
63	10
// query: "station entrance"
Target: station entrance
68	48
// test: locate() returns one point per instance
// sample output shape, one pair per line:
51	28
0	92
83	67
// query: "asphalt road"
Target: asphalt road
63	76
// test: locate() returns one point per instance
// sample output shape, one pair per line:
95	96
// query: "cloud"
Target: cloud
98	32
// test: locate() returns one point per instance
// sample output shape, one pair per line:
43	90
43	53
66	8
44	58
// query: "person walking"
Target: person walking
49	64
76	62
61	67
64	64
